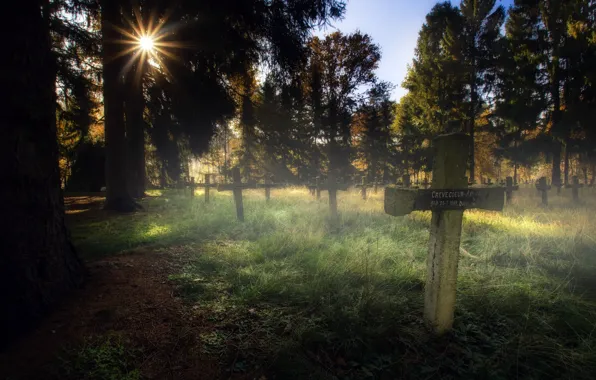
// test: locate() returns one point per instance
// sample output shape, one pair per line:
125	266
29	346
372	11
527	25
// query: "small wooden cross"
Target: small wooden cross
448	197
268	185
575	186
316	188
332	187
509	188
543	188
206	185
363	186
236	187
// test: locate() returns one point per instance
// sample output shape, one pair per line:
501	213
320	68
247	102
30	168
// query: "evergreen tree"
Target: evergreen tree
38	263
477	45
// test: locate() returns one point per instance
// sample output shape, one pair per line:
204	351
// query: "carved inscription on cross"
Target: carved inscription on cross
543	188
448	197
236	187
575	186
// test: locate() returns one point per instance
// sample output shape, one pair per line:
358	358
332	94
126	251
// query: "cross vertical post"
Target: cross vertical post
509	187
318	187
543	188
449	170
192	187
207	188
575	186
238	194
267	189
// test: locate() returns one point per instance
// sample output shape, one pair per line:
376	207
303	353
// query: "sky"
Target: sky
394	26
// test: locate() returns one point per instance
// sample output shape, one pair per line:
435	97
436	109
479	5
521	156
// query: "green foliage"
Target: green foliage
304	296
99	359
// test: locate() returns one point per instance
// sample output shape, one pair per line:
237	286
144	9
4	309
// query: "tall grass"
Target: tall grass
313	297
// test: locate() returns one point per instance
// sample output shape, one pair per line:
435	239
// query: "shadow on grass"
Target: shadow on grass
307	298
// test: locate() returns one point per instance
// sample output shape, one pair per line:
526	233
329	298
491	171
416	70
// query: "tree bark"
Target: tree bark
135	132
117	195
38	264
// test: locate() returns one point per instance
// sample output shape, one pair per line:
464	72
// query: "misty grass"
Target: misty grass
317	298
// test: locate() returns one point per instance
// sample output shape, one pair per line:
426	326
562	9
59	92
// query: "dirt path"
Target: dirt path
128	296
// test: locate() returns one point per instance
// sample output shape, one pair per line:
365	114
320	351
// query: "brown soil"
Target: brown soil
128	295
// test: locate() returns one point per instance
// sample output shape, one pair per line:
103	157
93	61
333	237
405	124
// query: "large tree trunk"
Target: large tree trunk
117	195
135	132
38	264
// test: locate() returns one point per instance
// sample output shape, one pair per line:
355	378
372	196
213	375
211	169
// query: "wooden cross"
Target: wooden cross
192	186
207	184
364	186
509	188
332	187
316	188
575	186
237	187
448	197
268	185
543	188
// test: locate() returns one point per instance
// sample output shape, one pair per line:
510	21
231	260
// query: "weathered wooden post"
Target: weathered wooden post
575	186
236	188
448	197
509	188
318	187
192	186
238	194
207	180
363	186
543	188
267	189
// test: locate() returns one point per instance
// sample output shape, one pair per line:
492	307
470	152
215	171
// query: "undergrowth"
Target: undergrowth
311	297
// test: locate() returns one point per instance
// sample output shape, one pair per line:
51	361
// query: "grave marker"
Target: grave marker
575	186
363	186
543	188
509	188
332	187
268	185
206	185
236	187
448	197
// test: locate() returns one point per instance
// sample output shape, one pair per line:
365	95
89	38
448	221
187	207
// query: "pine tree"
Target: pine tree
477	46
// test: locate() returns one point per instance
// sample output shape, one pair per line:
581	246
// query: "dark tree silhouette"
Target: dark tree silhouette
38	264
